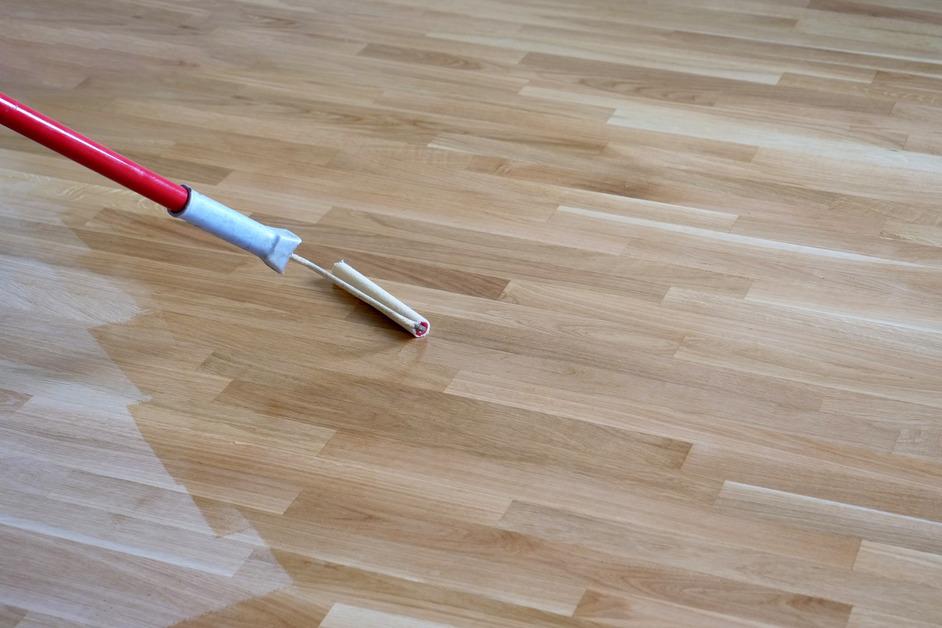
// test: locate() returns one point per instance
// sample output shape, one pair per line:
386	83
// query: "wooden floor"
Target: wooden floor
683	263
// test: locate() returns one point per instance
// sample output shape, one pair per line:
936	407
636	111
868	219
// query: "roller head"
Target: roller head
276	246
408	319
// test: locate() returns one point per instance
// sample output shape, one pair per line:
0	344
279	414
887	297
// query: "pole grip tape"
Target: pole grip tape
272	245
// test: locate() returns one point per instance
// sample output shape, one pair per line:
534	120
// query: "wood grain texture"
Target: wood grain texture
683	261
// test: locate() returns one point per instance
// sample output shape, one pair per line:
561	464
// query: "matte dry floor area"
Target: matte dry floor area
683	262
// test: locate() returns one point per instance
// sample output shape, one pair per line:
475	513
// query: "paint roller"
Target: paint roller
272	245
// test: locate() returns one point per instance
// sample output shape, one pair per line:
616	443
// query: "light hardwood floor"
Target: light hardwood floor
683	263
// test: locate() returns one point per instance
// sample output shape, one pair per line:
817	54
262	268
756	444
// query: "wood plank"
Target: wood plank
344	616
734	597
900	563
861	487
824	515
625	610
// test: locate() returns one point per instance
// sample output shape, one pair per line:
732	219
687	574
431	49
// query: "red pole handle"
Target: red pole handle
101	159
